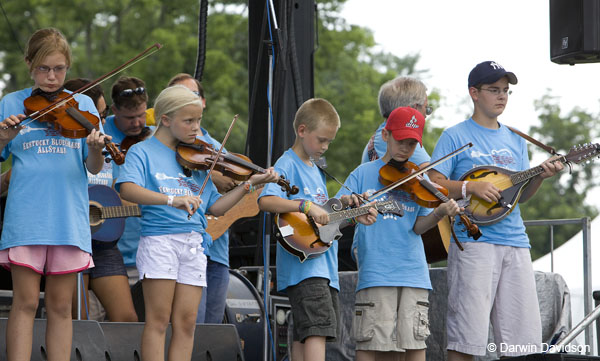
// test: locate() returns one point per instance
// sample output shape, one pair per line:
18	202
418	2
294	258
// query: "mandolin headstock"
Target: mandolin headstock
389	207
583	153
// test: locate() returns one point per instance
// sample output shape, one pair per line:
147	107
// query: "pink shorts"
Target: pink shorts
47	260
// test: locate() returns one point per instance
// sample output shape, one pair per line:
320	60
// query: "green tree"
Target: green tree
561	196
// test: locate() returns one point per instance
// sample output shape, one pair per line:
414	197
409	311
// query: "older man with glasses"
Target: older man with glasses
399	92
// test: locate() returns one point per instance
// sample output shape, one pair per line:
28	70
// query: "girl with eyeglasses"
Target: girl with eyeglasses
46	224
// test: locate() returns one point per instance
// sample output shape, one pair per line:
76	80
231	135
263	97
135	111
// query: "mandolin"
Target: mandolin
302	237
512	184
107	214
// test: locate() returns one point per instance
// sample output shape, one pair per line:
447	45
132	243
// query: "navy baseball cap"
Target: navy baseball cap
489	72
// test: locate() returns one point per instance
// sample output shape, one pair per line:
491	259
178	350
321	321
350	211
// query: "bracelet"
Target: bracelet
353	221
436	216
170	201
249	187
464	189
304	206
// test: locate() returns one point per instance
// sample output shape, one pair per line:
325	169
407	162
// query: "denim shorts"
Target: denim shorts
108	260
315	309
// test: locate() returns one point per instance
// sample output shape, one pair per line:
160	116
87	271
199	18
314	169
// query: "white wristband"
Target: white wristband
170	201
464	189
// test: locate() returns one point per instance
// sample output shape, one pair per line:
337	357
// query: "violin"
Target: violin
63	112
423	192
130	140
200	156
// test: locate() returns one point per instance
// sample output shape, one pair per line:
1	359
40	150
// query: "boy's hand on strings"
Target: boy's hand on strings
187	203
551	167
318	214
352	200
9	127
484	190
369	218
269	176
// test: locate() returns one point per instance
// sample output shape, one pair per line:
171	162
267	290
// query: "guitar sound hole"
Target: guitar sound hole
95	215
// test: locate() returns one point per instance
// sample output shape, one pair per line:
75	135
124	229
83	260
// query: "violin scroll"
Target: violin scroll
285	186
471	228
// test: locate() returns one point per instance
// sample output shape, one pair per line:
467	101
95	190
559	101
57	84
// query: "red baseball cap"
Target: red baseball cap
406	123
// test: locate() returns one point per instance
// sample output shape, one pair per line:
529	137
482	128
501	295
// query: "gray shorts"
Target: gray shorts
487	281
315	309
391	319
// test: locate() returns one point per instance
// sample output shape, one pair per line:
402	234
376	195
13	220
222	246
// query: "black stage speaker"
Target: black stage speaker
211	342
552	357
574	31
88	341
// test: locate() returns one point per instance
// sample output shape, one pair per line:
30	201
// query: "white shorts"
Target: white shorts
491	281
391	319
178	257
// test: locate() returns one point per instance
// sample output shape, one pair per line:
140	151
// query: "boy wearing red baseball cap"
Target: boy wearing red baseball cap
392	305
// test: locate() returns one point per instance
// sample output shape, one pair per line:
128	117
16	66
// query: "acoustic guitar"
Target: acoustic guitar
436	241
107	214
246	207
302	237
512	184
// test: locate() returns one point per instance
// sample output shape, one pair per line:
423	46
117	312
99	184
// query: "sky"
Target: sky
453	36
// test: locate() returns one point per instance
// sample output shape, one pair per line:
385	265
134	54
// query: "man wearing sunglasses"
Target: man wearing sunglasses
129	103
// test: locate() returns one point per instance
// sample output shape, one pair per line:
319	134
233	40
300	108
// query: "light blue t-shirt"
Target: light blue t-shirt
104	177
48	202
152	165
499	147
311	182
376	148
390	253
218	250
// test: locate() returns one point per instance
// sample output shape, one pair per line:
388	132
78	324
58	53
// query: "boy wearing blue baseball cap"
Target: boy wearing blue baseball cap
493	277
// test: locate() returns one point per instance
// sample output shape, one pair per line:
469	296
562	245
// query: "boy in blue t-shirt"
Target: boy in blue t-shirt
391	309
312	285
493	277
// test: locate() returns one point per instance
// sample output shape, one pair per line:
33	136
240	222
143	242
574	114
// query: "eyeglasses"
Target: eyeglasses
61	69
497	91
104	113
428	108
130	92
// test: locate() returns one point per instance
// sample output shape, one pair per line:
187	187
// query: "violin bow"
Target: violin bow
144	54
420	171
214	162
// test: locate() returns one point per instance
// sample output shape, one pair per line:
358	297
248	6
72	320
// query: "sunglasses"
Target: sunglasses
130	92
104	113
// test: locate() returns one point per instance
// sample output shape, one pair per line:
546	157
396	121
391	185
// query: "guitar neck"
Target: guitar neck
120	212
525	175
